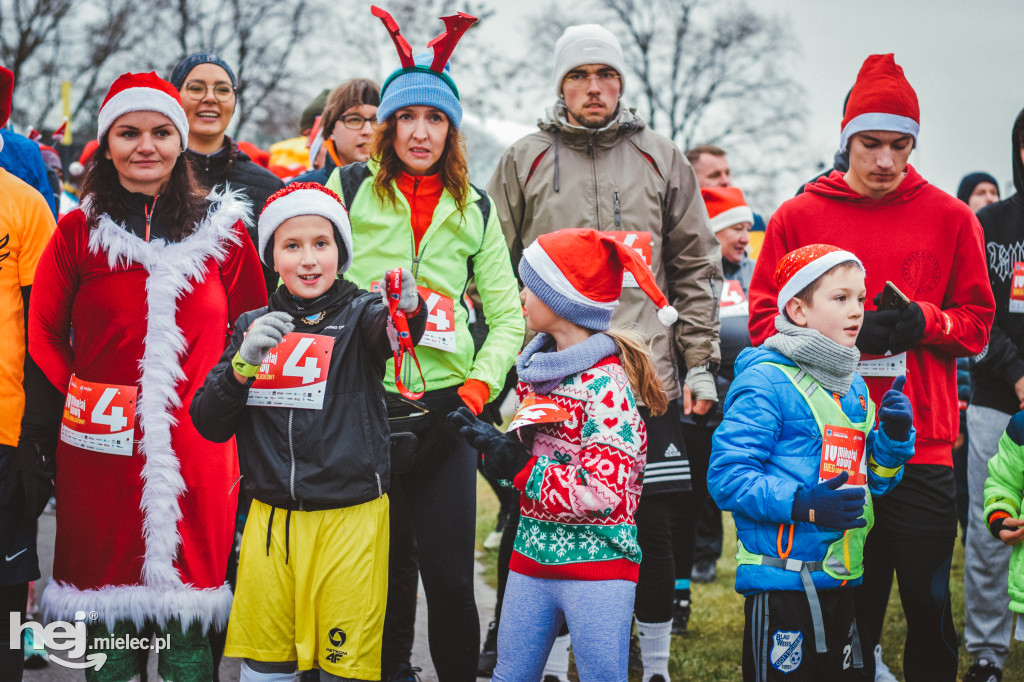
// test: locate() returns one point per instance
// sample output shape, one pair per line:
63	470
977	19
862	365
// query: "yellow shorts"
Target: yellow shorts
325	605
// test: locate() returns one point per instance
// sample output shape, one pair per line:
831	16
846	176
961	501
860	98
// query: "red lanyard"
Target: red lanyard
393	284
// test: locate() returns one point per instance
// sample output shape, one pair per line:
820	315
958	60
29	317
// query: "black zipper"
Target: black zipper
618	212
593	166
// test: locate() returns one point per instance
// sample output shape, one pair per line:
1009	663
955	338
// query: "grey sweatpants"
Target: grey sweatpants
988	622
599	614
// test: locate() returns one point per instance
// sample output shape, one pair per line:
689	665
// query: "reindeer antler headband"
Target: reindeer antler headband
455	27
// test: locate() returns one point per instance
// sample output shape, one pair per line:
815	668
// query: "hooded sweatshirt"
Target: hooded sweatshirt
1001	363
913	236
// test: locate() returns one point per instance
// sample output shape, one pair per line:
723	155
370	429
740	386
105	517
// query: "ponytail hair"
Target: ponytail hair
635	356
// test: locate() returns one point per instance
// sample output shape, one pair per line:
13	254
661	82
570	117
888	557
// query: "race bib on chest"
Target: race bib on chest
890	366
733	302
1017	289
536	409
843	450
639	242
99	417
294	374
440	330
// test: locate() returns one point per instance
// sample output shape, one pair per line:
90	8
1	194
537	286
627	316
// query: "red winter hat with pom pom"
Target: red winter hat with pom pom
578	274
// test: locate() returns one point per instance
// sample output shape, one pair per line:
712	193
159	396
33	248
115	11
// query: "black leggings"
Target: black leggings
433	530
13	599
663	521
706	545
921	562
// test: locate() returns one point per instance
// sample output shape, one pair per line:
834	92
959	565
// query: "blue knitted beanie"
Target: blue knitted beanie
418	85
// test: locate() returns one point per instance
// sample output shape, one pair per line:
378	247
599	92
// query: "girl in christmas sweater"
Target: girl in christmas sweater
577	457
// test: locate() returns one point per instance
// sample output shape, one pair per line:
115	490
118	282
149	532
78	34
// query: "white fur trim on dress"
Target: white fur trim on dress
878	121
811	272
172	269
142	99
548	270
139	603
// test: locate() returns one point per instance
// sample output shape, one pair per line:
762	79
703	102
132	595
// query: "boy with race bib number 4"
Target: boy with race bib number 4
301	389
794	460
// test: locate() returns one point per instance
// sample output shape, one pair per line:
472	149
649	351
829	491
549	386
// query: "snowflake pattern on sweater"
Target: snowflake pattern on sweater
581	489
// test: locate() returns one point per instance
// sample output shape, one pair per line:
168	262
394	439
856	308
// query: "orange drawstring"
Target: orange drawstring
783	554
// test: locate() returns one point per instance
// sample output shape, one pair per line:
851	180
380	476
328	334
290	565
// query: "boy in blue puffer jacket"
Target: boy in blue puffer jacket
792	460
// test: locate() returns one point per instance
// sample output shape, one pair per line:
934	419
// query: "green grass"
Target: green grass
711	650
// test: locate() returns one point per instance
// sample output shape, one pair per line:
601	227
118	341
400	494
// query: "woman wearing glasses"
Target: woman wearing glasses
346	127
207	88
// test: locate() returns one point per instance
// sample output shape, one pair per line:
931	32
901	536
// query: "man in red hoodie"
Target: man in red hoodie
930	246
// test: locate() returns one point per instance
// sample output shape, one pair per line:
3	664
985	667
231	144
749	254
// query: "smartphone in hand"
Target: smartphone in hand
893	298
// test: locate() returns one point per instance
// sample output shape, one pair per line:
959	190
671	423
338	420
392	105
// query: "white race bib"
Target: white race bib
294	373
99	417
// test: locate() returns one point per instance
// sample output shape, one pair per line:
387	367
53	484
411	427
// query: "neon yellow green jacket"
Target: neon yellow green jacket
1003	492
454	249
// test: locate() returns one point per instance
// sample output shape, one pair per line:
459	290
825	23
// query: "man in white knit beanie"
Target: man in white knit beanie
595	164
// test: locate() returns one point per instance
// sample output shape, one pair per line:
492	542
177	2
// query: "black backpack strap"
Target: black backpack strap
352	177
485	205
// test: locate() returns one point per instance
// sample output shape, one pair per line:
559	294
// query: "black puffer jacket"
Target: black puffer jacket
234	166
1001	364
303	459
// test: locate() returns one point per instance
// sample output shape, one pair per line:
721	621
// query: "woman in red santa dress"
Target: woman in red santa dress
134	297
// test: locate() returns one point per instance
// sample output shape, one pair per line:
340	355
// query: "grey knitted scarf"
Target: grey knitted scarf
829	363
543	367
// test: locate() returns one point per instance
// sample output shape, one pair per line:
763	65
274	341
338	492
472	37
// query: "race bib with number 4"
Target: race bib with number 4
440	330
733	302
99	417
639	242
536	409
294	373
843	450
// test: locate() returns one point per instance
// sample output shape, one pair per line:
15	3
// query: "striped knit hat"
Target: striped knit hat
142	92
578	274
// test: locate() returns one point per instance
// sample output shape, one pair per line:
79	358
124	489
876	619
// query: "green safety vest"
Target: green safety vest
844	559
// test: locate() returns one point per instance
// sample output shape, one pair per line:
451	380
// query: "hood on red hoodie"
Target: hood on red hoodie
834	186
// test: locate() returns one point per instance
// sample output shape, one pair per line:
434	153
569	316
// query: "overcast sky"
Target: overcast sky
964	59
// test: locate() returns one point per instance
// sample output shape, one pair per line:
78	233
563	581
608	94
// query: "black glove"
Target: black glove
894	331
503	457
826	505
877	329
909	330
29	480
492	413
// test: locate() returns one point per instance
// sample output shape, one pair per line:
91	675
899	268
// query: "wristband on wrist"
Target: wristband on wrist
243	368
881	471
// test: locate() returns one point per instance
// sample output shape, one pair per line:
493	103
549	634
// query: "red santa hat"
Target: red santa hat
881	99
578	274
726	207
305	198
799	268
142	92
6	94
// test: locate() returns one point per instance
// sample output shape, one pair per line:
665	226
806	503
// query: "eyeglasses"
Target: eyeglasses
356	122
580	80
221	92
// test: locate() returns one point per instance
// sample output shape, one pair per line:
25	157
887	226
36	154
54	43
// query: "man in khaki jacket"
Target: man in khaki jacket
593	163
